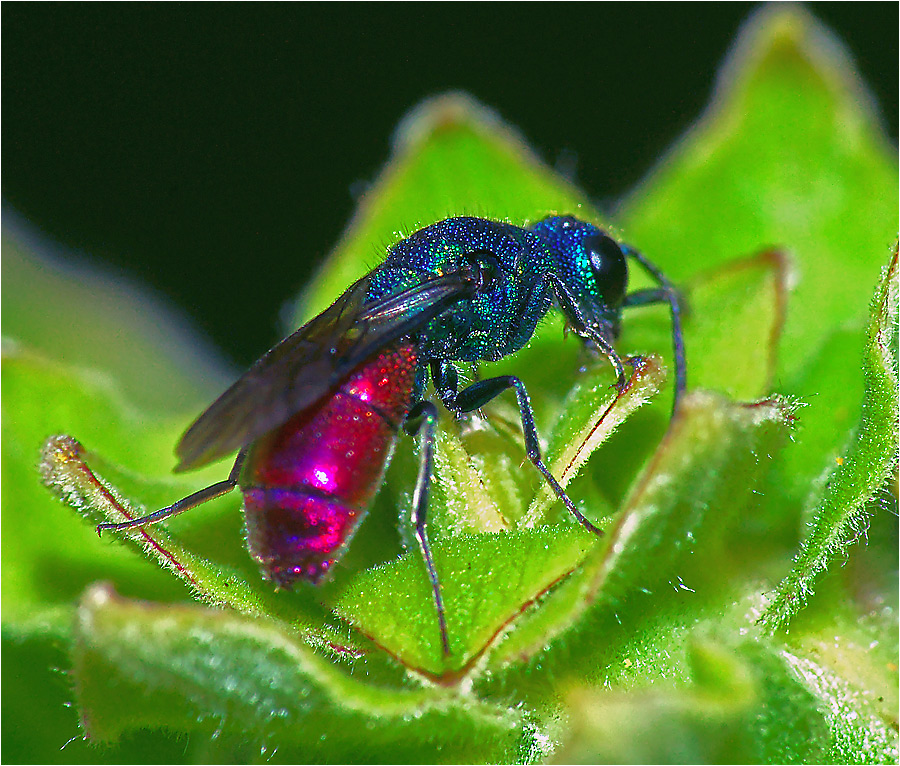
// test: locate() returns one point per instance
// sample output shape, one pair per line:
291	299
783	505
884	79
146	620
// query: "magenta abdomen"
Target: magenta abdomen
308	484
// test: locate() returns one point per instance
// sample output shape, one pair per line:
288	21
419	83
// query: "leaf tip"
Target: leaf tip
60	461
787	32
443	112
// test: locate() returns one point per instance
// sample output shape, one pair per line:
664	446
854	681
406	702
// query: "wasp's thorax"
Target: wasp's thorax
512	296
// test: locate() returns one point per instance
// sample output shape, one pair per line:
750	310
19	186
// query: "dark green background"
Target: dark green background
213	151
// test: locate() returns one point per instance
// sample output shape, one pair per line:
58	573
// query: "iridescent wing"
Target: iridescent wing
308	364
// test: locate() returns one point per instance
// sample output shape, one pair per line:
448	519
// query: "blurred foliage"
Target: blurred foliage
730	612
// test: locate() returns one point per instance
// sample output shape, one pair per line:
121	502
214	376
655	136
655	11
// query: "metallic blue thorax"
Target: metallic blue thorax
553	261
490	325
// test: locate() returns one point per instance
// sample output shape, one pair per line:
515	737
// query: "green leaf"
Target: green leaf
789	154
51	556
196	558
36	696
226	676
860	473
755	703
737	315
487	581
587	419
699	483
707	721
705	684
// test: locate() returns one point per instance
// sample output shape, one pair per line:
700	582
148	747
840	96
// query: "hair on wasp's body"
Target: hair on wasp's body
315	420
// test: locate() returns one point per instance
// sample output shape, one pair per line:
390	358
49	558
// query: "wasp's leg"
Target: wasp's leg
186	503
480	393
666	293
601	333
446	383
648	297
422	420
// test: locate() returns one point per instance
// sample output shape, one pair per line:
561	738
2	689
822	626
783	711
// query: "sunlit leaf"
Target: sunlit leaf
227	676
859	473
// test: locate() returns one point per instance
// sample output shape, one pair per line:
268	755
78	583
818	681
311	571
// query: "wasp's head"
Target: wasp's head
590	274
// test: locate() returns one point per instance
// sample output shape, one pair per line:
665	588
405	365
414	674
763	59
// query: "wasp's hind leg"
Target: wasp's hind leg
422	421
186	503
480	393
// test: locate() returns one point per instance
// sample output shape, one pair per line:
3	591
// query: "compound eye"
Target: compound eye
487	270
608	266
